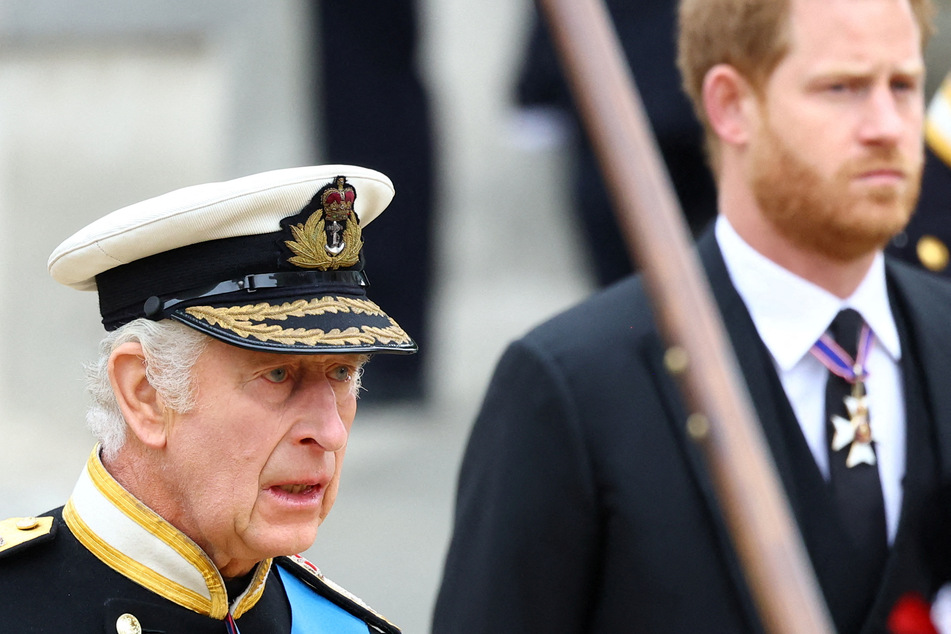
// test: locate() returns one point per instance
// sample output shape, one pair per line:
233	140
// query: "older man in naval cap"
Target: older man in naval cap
224	393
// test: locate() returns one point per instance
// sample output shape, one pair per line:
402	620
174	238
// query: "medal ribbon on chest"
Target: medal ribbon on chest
856	430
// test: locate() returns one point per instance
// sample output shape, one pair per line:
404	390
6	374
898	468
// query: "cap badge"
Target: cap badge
330	238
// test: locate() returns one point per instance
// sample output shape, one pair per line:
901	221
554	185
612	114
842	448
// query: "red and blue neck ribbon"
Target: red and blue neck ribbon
840	362
230	625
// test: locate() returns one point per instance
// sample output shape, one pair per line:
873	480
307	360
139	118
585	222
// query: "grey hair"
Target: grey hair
171	350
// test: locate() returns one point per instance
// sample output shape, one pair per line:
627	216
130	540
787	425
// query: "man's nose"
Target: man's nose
884	118
319	421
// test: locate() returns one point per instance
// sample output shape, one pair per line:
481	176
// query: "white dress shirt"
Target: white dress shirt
790	314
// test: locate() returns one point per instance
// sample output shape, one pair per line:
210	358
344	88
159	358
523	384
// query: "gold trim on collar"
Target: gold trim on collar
255	589
140	571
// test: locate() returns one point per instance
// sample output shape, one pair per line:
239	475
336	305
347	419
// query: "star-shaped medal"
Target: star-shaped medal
855	431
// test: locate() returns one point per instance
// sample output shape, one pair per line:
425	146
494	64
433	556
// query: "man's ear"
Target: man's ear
140	404
730	103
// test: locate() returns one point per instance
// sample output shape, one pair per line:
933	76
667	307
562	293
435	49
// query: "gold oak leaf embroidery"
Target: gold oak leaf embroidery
245	321
309	242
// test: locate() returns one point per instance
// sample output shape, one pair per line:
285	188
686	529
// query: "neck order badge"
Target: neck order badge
856	430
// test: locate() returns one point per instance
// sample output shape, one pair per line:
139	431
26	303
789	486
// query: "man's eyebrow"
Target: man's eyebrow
861	69
356	359
915	69
863	73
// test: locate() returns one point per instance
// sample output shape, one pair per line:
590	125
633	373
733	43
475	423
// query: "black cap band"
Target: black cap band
157	308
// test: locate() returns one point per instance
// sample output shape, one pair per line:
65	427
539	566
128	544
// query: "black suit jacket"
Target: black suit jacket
583	507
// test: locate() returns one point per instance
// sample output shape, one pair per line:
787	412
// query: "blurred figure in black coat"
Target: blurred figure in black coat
375	112
646	30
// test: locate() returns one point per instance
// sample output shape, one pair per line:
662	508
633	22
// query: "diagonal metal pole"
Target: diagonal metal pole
751	497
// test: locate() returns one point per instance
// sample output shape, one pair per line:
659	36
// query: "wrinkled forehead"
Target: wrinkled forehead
854	28
849	40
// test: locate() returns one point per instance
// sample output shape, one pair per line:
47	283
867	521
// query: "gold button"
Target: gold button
27	523
933	253
128	624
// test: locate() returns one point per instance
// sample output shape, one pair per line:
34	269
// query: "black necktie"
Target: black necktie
856	490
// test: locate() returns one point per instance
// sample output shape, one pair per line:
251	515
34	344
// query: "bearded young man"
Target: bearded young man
223	397
585	508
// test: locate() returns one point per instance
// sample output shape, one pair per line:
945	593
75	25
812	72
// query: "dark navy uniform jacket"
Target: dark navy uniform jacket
106	563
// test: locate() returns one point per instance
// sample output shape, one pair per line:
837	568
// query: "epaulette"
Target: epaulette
18	533
311	575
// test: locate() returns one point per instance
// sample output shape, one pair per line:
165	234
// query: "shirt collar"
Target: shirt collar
775	299
136	542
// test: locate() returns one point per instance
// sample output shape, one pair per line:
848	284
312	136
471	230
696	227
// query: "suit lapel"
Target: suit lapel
920	305
774	413
754	361
926	310
669	393
756	367
805	488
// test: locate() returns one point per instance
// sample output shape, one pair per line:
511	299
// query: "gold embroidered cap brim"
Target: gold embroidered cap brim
321	325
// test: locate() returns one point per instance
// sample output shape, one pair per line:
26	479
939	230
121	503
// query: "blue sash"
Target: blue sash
313	614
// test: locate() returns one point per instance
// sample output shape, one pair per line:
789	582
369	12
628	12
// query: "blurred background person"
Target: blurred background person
647	34
374	110
924	242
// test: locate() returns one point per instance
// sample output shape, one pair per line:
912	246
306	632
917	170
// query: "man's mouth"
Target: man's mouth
888	172
297	489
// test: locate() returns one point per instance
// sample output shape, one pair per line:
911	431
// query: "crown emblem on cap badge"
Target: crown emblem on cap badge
330	238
